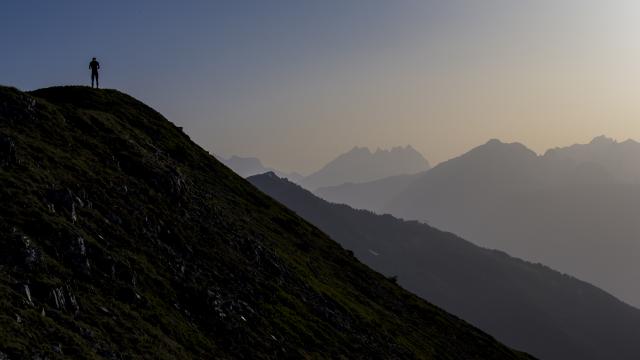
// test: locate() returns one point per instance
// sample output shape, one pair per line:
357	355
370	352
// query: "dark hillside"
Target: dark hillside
123	239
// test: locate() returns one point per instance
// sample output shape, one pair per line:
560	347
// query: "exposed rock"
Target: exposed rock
27	293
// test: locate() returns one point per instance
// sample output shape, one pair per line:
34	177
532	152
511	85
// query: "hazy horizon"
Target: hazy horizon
296	84
538	152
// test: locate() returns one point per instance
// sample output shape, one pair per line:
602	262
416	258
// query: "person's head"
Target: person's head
94	59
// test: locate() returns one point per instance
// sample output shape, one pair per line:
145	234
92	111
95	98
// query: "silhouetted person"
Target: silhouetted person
94	66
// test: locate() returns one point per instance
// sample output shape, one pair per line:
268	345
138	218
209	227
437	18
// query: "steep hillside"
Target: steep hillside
122	238
362	165
525	305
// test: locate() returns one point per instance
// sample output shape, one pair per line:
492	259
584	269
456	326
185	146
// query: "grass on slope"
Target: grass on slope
122	238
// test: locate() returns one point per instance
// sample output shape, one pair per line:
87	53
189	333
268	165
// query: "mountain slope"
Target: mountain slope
528	306
361	165
249	166
122	238
371	195
619	161
573	215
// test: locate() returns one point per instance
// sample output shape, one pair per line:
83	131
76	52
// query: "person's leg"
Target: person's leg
97	81
93	78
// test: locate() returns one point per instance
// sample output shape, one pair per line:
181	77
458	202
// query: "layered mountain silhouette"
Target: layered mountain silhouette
376	195
249	166
121	238
528	306
573	208
361	165
614	161
371	195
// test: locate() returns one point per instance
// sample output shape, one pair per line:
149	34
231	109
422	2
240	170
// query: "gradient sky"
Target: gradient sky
297	82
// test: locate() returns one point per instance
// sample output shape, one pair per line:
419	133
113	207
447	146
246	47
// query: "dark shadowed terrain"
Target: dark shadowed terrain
121	238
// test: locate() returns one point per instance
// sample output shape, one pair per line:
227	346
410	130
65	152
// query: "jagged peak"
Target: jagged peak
494	141
270	175
359	149
380	150
495	144
363	150
603	140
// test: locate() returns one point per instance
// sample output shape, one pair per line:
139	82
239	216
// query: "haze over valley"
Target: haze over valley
573	208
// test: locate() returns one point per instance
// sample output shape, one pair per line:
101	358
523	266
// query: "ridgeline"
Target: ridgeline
121	238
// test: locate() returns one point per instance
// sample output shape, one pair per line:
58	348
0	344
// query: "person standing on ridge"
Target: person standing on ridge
94	66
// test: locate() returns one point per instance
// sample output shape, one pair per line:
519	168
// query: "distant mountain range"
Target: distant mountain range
249	166
372	195
355	166
575	208
362	165
613	161
527	306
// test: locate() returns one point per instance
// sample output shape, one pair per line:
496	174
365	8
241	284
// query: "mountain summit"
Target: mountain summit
361	165
121	238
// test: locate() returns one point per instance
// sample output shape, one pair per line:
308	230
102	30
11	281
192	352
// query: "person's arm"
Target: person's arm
98	67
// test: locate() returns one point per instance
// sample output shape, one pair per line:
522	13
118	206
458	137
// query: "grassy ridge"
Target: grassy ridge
122	238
